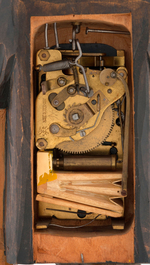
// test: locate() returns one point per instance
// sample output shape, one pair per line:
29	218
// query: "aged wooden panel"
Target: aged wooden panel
70	248
2	179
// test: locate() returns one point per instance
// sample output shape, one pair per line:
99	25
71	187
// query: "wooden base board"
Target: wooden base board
65	249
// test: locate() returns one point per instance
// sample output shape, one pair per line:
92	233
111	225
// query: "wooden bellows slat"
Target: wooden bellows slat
100	191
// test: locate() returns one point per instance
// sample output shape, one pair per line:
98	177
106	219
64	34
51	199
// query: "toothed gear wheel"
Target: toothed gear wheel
94	138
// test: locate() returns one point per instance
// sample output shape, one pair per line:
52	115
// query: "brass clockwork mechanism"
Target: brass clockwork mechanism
70	119
82	116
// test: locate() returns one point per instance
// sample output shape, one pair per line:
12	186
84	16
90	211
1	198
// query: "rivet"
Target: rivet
109	91
43	55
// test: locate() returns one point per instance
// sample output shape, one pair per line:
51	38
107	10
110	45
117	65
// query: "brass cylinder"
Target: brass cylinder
85	163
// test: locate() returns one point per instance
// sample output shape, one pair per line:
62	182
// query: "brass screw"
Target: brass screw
54	128
109	91
43	55
61	81
75	116
113	74
71	90
41	143
55	102
122	74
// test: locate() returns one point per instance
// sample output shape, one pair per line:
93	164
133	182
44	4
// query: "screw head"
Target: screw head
54	128
43	55
113	74
71	90
61	81
124	193
75	116
109	91
55	102
41	143
122	74
93	102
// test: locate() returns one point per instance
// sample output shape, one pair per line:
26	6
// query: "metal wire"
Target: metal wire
64	211
81	67
56	36
46	36
106	31
74	227
91	126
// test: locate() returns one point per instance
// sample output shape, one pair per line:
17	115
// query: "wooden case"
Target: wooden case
22	26
99	231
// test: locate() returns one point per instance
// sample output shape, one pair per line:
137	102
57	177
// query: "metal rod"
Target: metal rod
126	137
46	36
80	66
56	36
106	31
74	38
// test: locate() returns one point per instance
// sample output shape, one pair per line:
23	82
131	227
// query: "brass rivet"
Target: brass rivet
109	91
43	55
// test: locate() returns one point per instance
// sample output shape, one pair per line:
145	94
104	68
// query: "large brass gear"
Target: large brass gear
94	138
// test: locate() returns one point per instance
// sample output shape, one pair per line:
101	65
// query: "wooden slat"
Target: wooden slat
94	189
79	206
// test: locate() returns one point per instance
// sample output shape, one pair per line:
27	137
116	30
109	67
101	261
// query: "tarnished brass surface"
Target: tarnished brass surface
85	163
93	59
101	120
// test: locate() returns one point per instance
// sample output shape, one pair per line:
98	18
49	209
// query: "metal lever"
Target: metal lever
106	31
126	138
65	64
55	66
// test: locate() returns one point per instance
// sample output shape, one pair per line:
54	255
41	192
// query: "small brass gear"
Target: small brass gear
74	116
94	138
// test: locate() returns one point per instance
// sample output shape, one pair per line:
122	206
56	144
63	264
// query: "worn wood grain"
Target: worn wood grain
2	181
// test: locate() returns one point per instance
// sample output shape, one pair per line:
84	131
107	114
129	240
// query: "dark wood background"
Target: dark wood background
14	34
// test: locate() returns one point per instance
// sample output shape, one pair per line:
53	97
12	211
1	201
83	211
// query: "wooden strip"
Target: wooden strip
87	197
2	180
79	206
104	188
